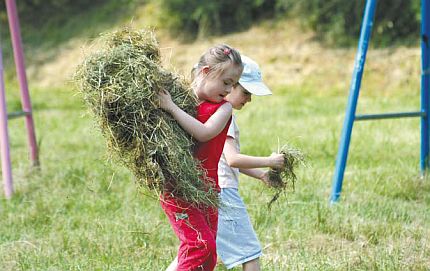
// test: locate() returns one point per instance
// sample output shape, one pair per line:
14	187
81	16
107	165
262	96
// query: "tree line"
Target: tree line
336	22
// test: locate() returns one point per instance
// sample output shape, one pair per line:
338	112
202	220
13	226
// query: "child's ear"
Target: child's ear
205	70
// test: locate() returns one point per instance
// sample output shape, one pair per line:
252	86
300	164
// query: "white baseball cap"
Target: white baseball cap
251	78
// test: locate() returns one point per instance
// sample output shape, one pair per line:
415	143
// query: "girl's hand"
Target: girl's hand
165	101
265	177
276	160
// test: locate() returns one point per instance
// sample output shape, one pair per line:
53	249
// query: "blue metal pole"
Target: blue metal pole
425	83
342	155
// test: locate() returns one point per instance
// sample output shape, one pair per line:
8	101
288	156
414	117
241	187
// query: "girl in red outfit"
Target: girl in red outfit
218	70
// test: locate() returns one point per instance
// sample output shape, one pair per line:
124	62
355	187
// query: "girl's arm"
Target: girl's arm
242	161
202	132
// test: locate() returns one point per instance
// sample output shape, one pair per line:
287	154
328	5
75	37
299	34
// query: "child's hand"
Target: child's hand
276	160
165	100
265	177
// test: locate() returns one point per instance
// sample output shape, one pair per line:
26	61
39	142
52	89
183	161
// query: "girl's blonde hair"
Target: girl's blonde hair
217	58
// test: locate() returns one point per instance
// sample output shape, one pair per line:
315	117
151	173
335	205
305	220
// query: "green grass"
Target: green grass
82	212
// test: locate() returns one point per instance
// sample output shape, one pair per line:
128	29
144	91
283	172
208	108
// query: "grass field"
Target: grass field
82	212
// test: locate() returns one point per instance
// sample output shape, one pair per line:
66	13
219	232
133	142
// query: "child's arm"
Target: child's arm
242	161
202	132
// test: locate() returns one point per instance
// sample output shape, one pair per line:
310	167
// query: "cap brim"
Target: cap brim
256	88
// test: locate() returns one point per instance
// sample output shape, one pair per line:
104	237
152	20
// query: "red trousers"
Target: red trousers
196	230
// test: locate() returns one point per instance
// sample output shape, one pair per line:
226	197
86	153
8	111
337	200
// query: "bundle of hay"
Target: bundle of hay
120	85
281	179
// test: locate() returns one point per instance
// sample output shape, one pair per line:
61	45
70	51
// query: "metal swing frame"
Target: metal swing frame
25	101
350	116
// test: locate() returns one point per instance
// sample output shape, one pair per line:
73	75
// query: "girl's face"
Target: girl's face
214	88
238	97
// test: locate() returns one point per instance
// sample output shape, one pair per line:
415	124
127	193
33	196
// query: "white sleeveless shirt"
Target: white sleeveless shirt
228	177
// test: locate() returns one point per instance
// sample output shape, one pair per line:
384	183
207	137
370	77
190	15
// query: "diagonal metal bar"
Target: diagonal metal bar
342	155
22	78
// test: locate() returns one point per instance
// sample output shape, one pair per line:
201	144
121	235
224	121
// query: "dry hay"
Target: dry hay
120	85
281	179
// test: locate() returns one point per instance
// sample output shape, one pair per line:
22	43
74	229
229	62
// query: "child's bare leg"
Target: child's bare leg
173	265
253	265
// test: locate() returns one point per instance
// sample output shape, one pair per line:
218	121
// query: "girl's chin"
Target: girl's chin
216	100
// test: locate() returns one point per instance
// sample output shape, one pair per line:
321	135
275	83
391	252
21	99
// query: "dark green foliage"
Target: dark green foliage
200	18
47	25
37	12
336	22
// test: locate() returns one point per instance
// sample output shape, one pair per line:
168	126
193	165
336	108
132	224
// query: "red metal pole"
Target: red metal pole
4	137
22	78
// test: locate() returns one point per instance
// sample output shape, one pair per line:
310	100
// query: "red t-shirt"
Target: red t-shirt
209	153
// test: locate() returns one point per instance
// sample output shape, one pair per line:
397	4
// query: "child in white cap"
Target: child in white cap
237	243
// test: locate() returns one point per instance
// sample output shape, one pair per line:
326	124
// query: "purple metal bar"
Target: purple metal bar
4	137
22	78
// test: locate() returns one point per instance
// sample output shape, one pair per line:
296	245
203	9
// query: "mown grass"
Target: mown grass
81	212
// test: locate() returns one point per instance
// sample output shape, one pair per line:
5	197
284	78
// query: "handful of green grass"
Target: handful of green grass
120	85
281	179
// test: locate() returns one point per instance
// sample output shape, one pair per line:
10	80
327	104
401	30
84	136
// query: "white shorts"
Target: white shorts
236	240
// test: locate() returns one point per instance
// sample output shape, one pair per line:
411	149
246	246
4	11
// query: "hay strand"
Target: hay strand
282	179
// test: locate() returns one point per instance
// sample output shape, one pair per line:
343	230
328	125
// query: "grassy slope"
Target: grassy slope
81	212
